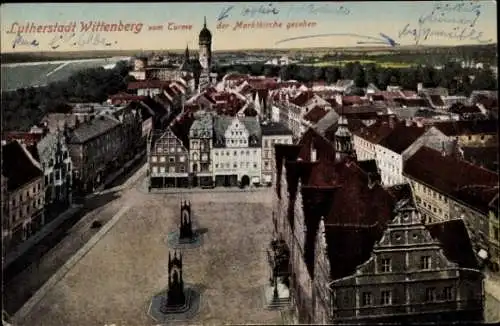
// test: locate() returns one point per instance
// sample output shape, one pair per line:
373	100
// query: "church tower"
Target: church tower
343	140
205	43
205	56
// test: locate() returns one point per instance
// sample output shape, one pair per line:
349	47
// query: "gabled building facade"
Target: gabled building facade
409	278
25	194
53	154
272	133
168	161
200	146
447	188
237	151
324	204
95	147
392	142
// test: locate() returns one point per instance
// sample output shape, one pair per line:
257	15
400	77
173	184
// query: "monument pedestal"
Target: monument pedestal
277	297
174	241
160	311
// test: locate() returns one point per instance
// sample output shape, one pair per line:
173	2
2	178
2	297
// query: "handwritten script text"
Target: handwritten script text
21	41
456	21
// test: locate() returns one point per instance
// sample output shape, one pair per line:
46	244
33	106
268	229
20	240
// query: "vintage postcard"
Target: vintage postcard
231	163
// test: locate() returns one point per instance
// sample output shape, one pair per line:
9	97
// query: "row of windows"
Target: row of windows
27	209
59	160
365	143
27	194
172	149
271	142
386	264
195	144
235	153
431	295
236	141
171	169
171	159
235	165
429	191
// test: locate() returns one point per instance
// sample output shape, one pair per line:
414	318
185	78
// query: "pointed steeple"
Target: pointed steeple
258	108
186	54
204	21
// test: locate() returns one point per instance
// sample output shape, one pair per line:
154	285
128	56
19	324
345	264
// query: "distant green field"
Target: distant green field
364	62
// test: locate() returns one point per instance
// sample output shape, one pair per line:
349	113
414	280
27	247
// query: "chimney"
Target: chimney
443	149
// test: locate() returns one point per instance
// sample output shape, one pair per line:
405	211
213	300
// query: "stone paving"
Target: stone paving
115	281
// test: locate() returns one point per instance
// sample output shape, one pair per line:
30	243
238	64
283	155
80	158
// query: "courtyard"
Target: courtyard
114	282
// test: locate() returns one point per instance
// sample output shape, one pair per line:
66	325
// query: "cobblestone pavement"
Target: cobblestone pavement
491	309
492	304
114	282
20	288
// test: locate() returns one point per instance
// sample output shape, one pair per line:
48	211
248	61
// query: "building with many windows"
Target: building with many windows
169	156
447	188
25	194
236	152
392	142
53	154
396	268
200	145
272	133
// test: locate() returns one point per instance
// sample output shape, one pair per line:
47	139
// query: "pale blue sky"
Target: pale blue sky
158	12
370	16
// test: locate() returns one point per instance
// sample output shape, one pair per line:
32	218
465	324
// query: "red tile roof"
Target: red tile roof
24	137
144	84
180	127
247	89
488	102
461	108
302	98
401	137
126	96
387	95
407	93
354	100
233	77
315	114
455	178
412	102
287	84
374	133
456	243
467	127
328	186
17	166
436	100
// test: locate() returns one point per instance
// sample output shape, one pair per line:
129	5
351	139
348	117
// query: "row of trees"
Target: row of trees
426	56
26	106
452	76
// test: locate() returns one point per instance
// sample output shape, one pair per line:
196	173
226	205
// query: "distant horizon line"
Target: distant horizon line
390	49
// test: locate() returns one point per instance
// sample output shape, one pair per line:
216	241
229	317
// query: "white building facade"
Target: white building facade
236	152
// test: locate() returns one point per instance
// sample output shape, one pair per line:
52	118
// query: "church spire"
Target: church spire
186	53
205	21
